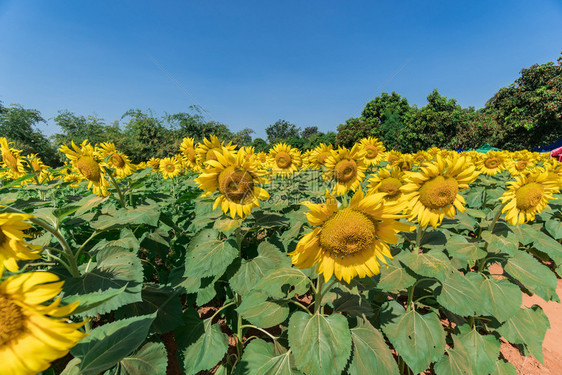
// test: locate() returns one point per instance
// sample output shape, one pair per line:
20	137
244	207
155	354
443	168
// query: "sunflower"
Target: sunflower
206	150
374	150
347	168
491	163
11	159
85	162
392	156
388	181
170	167
73	179
116	160
284	159
33	334
188	153
12	244
263	159
33	164
432	193
236	178
520	163
528	195
319	155
421	157
154	163
406	162
351	241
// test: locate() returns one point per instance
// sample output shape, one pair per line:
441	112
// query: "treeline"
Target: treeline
524	115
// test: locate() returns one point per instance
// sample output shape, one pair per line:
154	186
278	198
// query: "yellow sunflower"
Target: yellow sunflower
188	153
520	163
528	195
12	244
406	162
236	178
284	159
347	168
170	167
116	160
351	241
263	159
154	163
421	157
374	150
392	156
491	163
73	179
206	150
34	334
34	164
388	181
85	162
433	192
319	155
11	159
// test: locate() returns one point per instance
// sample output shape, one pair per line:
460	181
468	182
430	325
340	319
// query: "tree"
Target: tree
147	137
354	130
260	145
280	131
243	137
309	131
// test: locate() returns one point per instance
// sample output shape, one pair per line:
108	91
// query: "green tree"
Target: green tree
242	137
260	145
280	131
309	131
354	130
147	137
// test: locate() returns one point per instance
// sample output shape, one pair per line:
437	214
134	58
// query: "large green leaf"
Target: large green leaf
395	278
459	295
455	362
147	214
261	358
459	247
258	310
554	227
419	339
321	344
371	354
535	276
283	282
207	351
527	327
209	256
88	302
116	268
500	298
252	271
193	328
106	345
546	244
483	350
434	263
150	359
501	244
504	368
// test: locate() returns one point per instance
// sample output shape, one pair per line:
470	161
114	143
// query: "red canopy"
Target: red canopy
557	153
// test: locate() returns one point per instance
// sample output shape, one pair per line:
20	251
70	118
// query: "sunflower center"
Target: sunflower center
211	154
521	165
117	160
11	160
347	232
170	167
283	160
390	186
3	237
89	168
492	163
190	154
236	184
346	170
321	158
392	158
12	318
439	192
372	152
529	196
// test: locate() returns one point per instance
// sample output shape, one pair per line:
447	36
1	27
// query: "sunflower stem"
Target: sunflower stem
260	329
116	185
419	236
318	297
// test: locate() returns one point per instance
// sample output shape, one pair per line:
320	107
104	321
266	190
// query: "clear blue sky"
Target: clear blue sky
249	63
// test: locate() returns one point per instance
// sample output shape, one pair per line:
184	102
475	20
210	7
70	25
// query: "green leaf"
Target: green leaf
459	295
500	244
321	344
150	359
278	283
459	247
535	276
260	359
106	345
527	327
252	271
394	278
504	368
483	350
500	298
72	367
546	244
207	351
193	328
147	214
91	301
208	256
434	263
256	308
116	268
554	227
419	339
371	354
455	362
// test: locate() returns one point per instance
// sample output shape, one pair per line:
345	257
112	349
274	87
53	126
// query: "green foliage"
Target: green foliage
280	131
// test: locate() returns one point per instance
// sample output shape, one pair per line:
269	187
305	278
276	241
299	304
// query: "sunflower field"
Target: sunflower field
221	260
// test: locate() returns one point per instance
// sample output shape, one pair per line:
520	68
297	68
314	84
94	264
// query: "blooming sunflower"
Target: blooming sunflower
154	163
170	167
351	241
34	164
347	168
491	163
319	155
393	156
188	153
519	164
421	156
33	334
528	195
116	160
236	178
388	181
12	244
206	150
432	193
263	159
284	159
85	162
11	159
374	150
